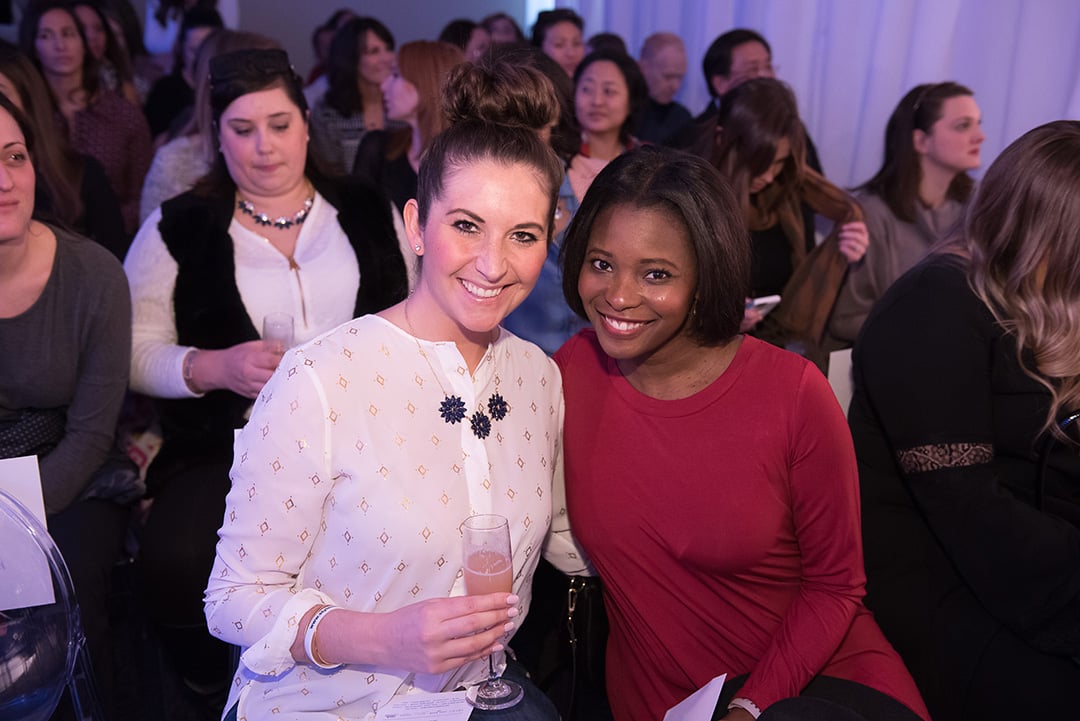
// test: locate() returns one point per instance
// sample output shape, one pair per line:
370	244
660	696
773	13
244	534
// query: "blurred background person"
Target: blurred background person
663	64
361	58
73	191
171	100
390	159
95	120
111	55
473	38
758	145
559	34
503	29
609	42
932	141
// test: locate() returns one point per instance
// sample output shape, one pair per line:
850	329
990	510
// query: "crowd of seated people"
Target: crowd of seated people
513	262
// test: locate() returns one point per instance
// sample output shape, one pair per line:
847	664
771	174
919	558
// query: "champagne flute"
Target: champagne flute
489	568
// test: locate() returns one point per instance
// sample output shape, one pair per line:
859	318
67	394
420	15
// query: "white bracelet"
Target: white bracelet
746	705
309	638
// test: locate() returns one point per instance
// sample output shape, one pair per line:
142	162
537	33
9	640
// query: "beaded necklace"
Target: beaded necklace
283	222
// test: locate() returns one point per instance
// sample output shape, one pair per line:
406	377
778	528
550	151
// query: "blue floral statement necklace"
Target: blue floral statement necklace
452	409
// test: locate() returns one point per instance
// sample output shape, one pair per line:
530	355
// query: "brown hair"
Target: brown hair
474	141
219	42
59	168
28	29
692	190
1020	234
752	120
897	182
499	89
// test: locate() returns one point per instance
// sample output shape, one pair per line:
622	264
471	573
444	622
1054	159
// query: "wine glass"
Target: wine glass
489	568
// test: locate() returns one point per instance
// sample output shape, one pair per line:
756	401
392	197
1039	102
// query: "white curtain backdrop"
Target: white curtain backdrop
850	61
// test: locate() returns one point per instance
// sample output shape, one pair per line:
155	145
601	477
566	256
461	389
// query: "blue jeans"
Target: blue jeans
534	707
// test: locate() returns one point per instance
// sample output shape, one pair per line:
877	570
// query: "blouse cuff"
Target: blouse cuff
271	655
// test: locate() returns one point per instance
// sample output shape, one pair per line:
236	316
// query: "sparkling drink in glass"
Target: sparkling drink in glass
489	568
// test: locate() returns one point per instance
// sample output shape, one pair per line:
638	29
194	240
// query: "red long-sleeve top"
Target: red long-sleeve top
726	529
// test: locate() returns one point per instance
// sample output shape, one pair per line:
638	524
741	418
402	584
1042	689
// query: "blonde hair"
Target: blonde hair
1020	235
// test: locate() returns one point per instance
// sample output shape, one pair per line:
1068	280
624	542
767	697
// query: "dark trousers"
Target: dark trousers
825	699
176	556
90	535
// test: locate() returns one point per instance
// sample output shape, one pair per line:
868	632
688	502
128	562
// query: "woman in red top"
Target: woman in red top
710	477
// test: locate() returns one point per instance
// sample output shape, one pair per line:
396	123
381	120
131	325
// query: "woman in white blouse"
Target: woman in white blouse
370	446
261	233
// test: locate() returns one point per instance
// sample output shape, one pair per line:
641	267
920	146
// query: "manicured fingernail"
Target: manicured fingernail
508	627
512	612
497	647
512	600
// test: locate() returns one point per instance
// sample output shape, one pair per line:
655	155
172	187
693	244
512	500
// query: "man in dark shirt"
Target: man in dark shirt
663	63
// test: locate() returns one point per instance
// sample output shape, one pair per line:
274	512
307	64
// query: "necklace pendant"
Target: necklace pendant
497	406
481	425
452	409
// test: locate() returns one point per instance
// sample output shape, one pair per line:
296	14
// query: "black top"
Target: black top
771	265
168	99
659	122
960	553
210	312
101	220
394	176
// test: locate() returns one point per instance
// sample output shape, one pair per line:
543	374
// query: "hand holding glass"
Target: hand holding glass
489	568
278	332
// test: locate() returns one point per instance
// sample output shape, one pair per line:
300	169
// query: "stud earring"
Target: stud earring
417	247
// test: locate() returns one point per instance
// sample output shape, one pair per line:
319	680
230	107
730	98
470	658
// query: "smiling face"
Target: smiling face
563	44
16	181
264	141
483	245
376	59
955	139
58	44
638	282
602	98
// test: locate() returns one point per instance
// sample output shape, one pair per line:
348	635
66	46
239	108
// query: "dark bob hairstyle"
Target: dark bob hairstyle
692	190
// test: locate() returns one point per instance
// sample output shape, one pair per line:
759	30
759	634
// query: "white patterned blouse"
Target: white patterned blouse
349	488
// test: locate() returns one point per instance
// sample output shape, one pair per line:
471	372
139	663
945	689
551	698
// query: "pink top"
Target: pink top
726	529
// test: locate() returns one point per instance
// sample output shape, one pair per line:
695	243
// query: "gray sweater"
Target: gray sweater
895	246
70	351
